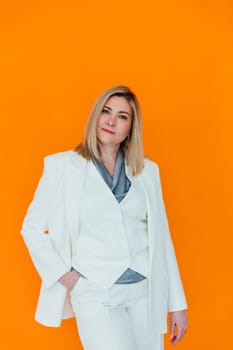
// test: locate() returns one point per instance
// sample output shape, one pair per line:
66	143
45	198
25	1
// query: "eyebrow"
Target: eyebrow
118	111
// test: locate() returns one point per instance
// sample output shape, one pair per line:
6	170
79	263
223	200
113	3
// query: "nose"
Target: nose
111	121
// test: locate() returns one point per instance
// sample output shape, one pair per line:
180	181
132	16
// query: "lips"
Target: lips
109	131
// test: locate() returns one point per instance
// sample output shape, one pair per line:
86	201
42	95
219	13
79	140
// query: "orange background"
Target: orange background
57	56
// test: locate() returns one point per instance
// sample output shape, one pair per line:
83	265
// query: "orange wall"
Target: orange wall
57	56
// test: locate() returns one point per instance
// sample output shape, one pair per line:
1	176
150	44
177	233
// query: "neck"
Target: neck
109	153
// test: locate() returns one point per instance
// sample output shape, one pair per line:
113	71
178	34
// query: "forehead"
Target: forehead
118	103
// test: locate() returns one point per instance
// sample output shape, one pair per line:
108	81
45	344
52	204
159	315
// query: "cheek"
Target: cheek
127	129
100	122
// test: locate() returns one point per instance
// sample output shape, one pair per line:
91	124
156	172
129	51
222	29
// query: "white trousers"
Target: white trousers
115	318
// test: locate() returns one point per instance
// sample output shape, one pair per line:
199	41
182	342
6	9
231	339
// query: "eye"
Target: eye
123	116
104	110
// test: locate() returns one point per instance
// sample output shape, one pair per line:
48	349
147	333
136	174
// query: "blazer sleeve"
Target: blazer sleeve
176	296
46	259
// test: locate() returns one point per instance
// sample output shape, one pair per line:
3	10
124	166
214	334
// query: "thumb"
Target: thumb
172	330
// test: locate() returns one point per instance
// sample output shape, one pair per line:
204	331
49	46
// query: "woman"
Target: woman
98	235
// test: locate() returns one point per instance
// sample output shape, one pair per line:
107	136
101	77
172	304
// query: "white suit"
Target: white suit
55	208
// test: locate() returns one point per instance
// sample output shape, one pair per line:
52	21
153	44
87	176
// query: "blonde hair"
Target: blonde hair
132	146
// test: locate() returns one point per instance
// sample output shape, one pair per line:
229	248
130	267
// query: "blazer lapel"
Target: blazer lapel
75	174
148	183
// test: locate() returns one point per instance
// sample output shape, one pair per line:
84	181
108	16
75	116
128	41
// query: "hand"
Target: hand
69	279
178	326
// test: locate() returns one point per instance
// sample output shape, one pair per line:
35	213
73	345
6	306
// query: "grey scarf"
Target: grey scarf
119	182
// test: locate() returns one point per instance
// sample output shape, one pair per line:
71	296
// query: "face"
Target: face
115	121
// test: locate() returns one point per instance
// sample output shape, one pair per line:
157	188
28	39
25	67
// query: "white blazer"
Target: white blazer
52	224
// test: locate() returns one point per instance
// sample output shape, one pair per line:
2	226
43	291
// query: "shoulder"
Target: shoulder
60	159
59	156
150	166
